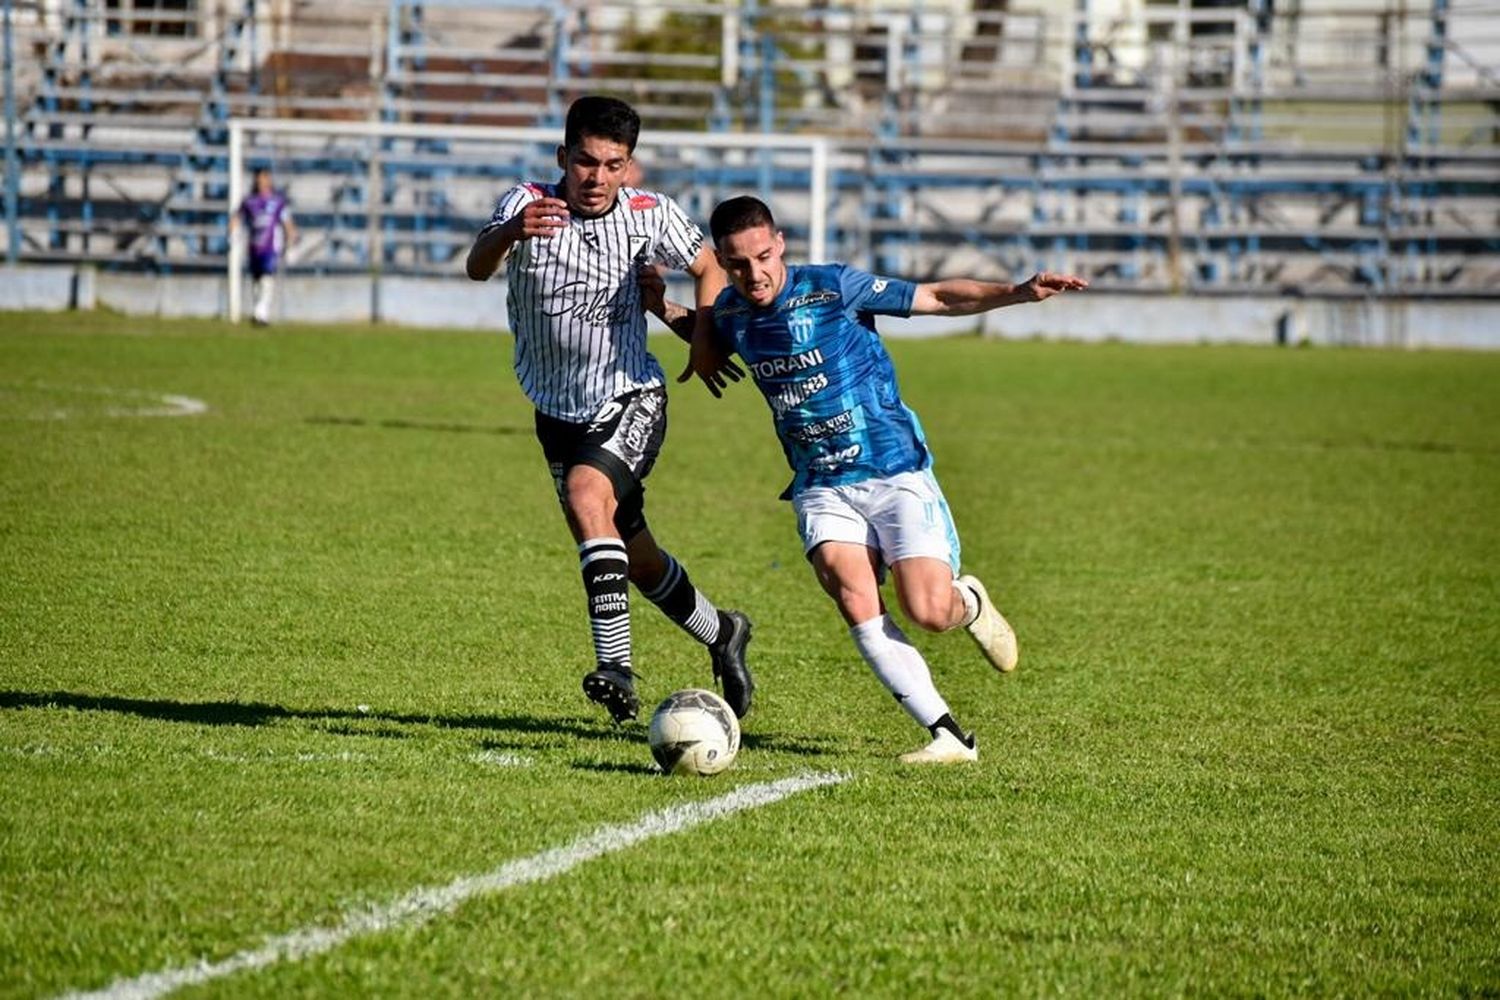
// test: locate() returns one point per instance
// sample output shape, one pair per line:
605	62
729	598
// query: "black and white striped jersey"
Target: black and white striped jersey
574	301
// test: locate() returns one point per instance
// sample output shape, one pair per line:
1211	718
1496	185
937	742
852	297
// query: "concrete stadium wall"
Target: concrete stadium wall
1407	323
1092	316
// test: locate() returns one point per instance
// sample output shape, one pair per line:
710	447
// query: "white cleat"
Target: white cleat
945	748
995	637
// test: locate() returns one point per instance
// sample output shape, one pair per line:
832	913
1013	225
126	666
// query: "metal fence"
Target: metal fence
1323	147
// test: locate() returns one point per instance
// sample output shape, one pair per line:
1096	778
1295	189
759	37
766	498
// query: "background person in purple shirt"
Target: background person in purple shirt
268	222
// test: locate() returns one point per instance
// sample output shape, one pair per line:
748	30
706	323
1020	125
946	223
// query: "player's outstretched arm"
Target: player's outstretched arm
966	296
706	359
678	318
542	218
683	322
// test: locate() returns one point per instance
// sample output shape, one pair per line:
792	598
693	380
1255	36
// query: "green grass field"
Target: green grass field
320	646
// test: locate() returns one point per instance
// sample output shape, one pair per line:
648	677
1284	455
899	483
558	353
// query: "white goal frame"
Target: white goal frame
249	137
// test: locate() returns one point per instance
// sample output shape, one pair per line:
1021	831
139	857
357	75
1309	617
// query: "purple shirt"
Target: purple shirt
263	216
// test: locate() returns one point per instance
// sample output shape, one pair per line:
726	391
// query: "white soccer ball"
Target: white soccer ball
694	732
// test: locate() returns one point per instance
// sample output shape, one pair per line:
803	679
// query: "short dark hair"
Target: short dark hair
738	214
603	118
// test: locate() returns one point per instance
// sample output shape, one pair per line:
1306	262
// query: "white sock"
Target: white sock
262	310
971	603
900	668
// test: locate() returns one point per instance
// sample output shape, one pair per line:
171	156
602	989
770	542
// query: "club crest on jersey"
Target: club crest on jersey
641	202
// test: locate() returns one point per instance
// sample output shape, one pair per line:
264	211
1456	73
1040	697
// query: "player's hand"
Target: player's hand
1045	284
710	364
543	218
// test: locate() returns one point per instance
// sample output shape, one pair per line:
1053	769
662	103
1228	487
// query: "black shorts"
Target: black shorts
622	441
262	264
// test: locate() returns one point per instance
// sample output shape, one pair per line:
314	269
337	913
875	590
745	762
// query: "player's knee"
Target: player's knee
647	569
589	498
855	603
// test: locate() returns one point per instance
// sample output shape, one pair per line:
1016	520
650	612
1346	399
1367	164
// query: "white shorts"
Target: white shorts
900	517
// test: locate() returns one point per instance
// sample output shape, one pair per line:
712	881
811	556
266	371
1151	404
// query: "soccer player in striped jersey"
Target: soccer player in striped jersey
575	246
862	486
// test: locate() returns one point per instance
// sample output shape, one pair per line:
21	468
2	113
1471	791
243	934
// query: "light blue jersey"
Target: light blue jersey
818	360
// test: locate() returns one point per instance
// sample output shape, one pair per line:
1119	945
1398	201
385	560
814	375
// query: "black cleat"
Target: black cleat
612	685
729	663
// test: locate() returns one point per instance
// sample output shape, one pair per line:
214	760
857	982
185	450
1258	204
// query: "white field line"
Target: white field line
170	405
422	905
499	758
176	406
304	757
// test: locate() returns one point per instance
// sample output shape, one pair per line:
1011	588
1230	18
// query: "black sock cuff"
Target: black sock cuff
949	723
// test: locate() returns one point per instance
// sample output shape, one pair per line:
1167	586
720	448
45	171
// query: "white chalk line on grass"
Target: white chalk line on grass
422	905
172	405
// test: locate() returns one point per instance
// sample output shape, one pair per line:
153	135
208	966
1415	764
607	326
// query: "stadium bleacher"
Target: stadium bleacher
1328	147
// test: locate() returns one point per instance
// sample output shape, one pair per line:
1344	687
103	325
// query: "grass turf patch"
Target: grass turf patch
322	643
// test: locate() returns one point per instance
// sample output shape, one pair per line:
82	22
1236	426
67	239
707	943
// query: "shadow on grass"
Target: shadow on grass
345	721
417	425
352	722
610	767
780	743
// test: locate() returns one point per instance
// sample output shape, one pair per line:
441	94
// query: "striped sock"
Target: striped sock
606	581
685	604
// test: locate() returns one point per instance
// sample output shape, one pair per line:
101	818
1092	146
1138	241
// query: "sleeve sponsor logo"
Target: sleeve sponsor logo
641	202
879	285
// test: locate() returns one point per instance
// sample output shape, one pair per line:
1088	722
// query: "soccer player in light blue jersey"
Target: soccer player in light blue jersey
862	482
